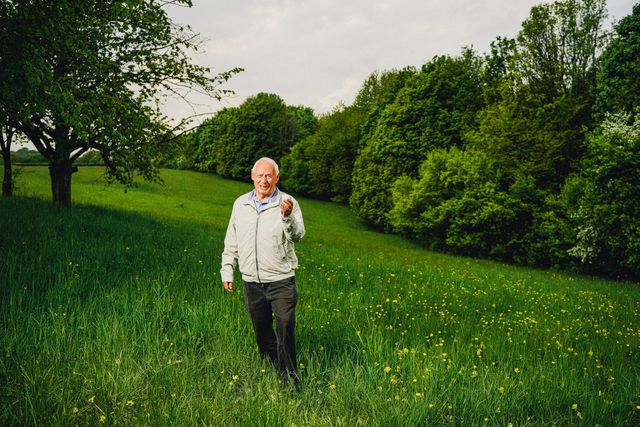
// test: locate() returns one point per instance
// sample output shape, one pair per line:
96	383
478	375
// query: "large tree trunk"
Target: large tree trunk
7	181
60	174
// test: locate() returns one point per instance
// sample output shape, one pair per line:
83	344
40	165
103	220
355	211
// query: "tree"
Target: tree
546	95
433	110
496	68
322	164
263	125
618	85
88	75
6	138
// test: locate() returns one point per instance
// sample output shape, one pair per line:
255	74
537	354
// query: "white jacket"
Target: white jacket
262	244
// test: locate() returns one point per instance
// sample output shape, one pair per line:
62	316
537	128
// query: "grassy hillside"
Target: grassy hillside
112	312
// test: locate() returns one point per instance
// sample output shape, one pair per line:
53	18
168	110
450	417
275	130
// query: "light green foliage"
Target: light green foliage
432	110
114	309
618	85
608	212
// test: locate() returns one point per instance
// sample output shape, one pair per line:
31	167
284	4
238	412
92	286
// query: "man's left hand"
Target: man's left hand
286	207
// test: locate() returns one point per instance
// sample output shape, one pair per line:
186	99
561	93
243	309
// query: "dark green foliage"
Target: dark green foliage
322	165
496	68
618	84
524	136
545	101
433	110
376	94
608	211
230	142
457	205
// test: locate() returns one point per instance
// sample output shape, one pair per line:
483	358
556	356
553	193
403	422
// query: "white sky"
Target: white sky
318	52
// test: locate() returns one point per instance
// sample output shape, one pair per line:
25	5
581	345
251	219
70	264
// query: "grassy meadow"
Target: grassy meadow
113	313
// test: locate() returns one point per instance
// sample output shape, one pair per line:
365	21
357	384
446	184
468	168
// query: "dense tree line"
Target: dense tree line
529	153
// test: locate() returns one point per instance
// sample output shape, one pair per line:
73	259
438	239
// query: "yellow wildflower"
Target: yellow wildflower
102	419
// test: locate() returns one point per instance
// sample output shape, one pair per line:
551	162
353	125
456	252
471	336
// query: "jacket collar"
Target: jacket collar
274	199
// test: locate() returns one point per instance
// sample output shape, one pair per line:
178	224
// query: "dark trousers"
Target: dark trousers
265	301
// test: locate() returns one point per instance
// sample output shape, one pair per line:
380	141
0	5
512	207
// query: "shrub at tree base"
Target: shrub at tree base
608	211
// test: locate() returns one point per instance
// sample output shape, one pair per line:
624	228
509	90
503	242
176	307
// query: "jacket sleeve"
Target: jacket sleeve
230	253
294	224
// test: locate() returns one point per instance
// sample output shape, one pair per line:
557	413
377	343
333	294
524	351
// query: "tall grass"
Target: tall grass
112	312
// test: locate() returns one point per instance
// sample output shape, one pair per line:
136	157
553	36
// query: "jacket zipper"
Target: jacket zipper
256	246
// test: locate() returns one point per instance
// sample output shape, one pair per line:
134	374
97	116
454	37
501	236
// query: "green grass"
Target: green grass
114	309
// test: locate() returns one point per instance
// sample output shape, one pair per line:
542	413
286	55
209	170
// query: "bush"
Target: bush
454	205
458	205
608	211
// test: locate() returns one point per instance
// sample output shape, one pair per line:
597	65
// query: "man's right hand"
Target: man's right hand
228	286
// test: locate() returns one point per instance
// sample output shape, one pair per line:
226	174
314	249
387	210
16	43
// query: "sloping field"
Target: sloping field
112	312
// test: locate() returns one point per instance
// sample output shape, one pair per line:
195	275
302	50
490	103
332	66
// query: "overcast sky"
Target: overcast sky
318	52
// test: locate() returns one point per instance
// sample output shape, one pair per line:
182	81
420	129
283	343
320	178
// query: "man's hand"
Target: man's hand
286	207
228	286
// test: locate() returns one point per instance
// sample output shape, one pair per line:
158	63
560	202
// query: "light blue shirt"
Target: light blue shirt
259	204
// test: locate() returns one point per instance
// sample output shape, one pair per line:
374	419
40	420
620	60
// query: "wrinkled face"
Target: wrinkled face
264	179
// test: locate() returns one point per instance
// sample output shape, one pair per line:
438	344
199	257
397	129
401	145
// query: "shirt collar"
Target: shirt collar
254	197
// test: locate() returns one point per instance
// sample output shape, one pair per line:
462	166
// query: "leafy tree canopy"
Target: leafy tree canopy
618	85
432	110
538	124
322	164
263	125
89	75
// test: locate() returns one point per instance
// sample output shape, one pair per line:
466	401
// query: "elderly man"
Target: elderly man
263	228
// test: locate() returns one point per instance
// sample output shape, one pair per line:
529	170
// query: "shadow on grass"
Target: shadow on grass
330	347
87	249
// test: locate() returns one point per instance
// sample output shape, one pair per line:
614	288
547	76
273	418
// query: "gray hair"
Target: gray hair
266	160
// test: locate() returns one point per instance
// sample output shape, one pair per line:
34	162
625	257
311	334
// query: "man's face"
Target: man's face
264	179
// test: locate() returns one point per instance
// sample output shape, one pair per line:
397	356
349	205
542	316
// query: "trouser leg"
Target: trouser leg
283	298
259	309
